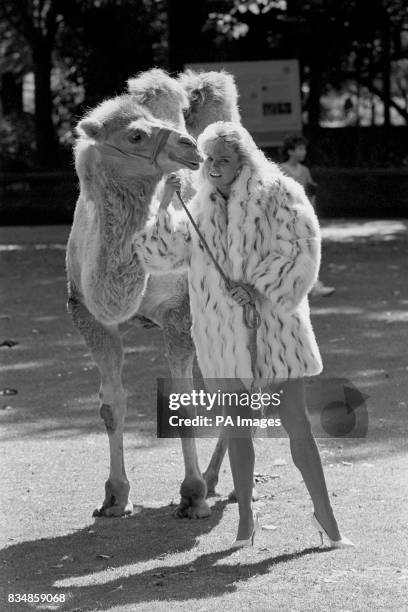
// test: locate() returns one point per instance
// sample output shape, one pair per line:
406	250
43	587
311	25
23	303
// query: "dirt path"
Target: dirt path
55	459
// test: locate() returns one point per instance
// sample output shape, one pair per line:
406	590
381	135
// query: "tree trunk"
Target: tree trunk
186	40
11	94
174	27
386	68
317	64
315	84
45	133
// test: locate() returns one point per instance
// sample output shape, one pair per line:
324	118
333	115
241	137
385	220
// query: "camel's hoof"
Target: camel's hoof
212	482
198	510
116	502
193	492
211	492
232	497
115	510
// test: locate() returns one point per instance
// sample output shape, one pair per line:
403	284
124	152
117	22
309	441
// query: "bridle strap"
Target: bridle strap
159	143
162	138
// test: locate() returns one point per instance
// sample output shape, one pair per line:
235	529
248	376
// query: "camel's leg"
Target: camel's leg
106	347
213	469
193	489
180	353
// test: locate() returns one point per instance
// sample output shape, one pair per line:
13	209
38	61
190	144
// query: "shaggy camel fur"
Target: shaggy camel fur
119	169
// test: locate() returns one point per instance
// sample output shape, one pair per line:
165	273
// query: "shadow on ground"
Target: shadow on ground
125	571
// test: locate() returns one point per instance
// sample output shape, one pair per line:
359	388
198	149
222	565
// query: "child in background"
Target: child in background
294	149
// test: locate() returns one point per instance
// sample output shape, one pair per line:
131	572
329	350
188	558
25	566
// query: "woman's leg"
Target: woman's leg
305	453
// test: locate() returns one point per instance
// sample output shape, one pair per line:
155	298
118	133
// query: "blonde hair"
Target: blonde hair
234	135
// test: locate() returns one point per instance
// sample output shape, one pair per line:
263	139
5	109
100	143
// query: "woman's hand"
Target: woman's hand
172	184
242	294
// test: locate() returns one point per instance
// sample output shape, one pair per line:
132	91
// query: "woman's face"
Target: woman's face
221	166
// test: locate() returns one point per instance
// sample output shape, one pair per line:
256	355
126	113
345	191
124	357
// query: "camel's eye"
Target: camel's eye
135	137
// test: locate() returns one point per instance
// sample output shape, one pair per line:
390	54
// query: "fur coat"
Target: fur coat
266	235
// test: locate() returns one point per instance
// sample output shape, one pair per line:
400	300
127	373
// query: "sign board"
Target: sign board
269	97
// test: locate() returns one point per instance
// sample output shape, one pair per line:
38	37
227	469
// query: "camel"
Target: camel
125	146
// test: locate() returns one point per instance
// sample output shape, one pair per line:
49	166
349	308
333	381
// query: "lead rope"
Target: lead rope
252	319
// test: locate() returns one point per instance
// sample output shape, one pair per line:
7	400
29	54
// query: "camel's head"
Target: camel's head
130	142
163	96
212	96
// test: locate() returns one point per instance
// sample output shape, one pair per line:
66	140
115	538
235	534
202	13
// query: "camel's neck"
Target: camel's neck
113	278
122	205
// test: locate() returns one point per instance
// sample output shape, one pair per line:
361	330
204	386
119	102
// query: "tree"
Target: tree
335	40
37	22
95	43
188	39
106	42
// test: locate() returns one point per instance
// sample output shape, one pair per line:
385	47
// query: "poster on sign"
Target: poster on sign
269	97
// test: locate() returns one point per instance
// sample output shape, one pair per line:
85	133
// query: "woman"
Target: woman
264	234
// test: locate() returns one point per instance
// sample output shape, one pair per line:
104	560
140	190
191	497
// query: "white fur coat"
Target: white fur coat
266	235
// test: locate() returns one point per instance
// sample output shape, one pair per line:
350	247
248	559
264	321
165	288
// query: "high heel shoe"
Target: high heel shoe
342	543
250	540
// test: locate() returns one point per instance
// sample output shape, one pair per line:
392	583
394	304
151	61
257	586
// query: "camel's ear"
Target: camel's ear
197	96
90	127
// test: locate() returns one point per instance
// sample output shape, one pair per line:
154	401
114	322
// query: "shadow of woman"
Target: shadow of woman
202	578
145	536
143	558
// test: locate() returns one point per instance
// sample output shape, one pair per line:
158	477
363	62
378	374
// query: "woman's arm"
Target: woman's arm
162	247
290	269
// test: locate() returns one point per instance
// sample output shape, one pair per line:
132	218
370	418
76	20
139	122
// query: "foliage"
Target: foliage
105	42
80	51
17	141
229	23
335	40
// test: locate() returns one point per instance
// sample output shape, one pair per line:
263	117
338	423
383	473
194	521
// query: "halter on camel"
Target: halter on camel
158	144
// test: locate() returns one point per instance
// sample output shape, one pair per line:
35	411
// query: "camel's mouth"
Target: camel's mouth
189	163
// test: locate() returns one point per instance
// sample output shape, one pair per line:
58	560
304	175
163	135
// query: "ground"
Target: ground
55	456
